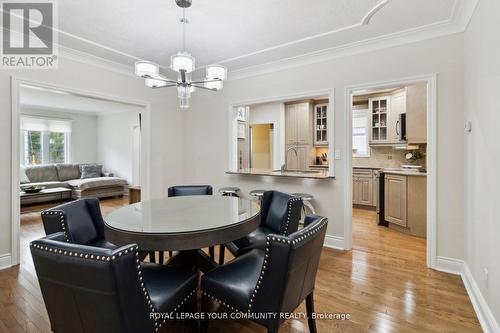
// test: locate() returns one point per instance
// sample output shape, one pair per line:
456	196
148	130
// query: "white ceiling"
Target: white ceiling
55	100
239	33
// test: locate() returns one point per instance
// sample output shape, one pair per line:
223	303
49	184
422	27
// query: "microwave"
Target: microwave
401	127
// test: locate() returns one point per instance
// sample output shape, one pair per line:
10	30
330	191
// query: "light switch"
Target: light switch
468	126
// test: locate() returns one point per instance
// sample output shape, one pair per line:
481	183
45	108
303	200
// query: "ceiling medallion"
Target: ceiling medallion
183	64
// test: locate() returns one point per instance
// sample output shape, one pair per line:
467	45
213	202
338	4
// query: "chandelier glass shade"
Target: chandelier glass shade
184	65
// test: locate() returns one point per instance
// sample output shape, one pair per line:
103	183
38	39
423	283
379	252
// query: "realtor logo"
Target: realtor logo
28	35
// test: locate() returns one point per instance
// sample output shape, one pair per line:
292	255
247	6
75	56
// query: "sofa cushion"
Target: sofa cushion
42	173
68	171
90	171
91	183
47	184
23	178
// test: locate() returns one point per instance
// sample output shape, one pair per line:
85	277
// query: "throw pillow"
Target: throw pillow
23	178
90	171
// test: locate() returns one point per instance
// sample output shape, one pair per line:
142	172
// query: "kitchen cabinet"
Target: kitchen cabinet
416	115
299	134
395	199
320	124
406	204
298	124
302	160
398	106
362	187
379	114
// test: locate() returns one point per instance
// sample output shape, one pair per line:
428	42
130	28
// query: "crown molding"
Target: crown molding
457	23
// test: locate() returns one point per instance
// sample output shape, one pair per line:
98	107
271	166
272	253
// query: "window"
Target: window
45	141
360	147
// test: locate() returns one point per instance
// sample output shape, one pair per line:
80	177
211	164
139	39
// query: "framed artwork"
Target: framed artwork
241	113
241	131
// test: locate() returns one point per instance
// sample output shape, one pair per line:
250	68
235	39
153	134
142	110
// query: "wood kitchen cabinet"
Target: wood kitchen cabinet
299	134
379	114
395	199
405	205
362	187
416	116
398	106
298	124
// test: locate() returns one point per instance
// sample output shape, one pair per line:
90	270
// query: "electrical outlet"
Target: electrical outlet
338	155
486	277
389	157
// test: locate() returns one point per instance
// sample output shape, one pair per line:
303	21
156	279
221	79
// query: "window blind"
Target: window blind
45	124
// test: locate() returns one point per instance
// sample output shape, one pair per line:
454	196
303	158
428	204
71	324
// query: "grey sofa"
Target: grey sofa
69	176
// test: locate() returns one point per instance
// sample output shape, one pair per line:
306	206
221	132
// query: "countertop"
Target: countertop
320	174
366	167
405	173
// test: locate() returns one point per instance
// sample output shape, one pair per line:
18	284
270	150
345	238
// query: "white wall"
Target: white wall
83	133
207	157
114	133
166	124
482	86
267	113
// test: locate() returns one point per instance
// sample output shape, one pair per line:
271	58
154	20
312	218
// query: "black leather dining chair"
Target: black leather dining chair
186	190
274	280
80	220
280	214
92	289
182	190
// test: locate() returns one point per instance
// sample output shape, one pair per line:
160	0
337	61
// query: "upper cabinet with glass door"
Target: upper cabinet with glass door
320	124
379	111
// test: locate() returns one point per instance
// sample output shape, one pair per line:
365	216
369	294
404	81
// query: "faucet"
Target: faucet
284	167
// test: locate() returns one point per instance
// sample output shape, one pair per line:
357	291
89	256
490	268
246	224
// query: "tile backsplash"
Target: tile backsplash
385	157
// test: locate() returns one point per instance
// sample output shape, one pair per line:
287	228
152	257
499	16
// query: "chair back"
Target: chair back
293	261
183	190
88	289
80	220
280	212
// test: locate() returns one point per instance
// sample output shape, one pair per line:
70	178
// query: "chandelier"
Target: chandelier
183	64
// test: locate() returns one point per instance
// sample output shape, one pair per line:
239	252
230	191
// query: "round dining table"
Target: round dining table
185	224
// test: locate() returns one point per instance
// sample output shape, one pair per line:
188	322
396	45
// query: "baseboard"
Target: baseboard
334	242
488	322
483	312
449	265
5	261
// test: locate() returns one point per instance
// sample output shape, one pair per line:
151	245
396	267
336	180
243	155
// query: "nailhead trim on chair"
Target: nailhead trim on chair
227	305
157	323
290	202
268	249
61	220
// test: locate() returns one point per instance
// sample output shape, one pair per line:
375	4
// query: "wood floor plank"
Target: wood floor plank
383	284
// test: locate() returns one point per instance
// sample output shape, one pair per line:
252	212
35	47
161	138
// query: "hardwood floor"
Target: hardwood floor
383	284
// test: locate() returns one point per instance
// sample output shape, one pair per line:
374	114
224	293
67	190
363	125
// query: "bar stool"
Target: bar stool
257	194
229	191
306	200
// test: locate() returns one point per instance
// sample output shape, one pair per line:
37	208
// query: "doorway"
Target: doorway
382	137
53	125
261	146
